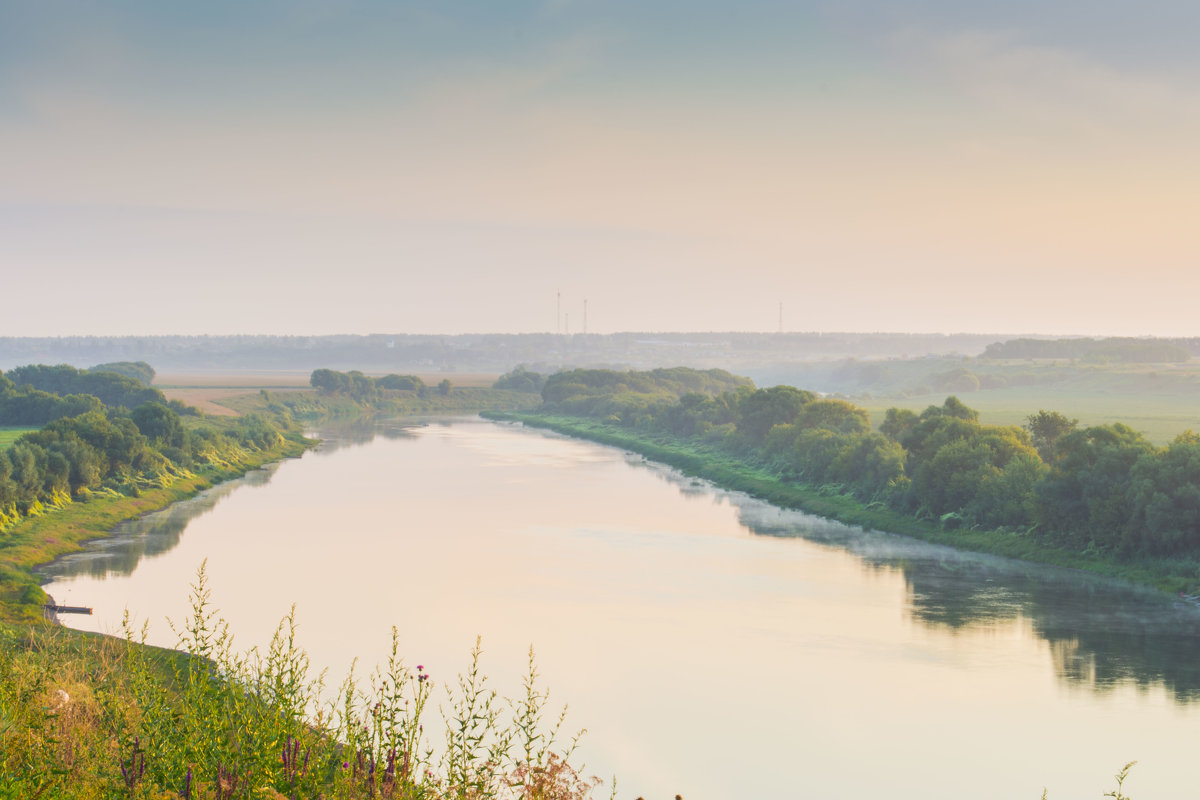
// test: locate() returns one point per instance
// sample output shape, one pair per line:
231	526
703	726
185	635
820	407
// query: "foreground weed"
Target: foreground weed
255	725
1119	793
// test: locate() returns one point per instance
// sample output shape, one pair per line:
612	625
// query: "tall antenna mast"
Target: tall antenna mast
558	313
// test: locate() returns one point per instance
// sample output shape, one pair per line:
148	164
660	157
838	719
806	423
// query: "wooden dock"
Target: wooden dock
55	609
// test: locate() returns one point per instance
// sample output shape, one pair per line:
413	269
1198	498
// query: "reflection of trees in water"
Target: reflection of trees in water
1100	633
151	535
340	434
156	533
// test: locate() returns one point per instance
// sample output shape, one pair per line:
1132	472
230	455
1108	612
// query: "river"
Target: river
713	646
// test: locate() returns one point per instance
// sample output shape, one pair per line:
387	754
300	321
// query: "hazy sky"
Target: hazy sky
322	167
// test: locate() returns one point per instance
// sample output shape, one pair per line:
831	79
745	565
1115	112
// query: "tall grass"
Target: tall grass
87	717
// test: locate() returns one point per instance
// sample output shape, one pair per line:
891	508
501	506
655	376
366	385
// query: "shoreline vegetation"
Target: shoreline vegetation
727	473
1101	498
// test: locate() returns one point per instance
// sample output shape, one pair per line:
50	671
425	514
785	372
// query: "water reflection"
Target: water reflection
1101	633
145	537
340	434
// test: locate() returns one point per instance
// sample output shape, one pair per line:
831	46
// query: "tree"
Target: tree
158	423
1085	498
326	380
763	409
444	387
1164	497
1045	429
409	383
898	422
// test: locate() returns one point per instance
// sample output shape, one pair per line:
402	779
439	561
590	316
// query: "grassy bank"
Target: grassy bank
700	460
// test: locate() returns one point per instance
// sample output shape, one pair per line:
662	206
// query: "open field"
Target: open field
8	435
1161	417
1160	400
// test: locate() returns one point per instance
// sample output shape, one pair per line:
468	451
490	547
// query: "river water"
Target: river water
713	646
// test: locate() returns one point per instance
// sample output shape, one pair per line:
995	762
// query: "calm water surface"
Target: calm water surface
713	645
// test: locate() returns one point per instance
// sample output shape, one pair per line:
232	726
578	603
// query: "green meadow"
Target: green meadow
1159	416
8	435
1159	400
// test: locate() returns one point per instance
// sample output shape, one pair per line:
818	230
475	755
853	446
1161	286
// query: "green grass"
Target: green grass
725	470
1161	417
1160	400
9	434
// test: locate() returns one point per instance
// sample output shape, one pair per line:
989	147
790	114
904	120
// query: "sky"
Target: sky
304	167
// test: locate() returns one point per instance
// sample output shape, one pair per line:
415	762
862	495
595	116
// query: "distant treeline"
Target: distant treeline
1102	488
1100	351
480	352
127	440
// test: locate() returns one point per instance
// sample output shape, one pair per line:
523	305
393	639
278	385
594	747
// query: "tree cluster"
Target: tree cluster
86	444
113	389
521	380
630	396
363	387
138	370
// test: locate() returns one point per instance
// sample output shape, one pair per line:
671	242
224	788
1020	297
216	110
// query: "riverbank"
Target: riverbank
697	459
56	532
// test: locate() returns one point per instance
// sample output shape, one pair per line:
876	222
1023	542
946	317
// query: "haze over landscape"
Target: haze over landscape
358	167
808	390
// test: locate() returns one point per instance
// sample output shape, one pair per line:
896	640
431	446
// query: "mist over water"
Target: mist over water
714	645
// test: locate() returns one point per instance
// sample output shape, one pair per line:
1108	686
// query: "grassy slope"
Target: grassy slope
697	459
